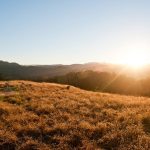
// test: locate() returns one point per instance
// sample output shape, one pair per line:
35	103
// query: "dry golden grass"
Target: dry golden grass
50	116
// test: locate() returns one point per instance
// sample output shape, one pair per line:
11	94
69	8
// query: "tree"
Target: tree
1	77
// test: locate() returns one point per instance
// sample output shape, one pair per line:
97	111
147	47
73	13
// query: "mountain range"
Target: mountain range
15	71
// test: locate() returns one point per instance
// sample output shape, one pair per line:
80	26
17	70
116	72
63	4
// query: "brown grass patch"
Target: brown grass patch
44	116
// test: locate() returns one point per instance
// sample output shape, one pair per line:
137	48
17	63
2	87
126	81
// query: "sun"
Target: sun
136	59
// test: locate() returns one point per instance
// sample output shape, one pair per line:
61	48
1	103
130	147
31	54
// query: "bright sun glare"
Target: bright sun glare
135	59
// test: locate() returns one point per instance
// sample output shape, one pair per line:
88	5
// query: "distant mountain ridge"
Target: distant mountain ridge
16	71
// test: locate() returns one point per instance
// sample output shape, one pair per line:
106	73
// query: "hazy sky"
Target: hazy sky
73	31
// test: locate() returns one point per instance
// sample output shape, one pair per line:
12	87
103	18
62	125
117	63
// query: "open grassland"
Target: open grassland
51	116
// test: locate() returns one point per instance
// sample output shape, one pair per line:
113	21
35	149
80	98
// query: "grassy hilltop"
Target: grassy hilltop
52	116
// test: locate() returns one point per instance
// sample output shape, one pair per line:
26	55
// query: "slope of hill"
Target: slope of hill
52	116
14	71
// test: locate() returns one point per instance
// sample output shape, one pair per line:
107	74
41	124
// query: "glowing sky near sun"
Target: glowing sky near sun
75	31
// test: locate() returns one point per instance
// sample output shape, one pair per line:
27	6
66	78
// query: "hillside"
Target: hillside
52	116
15	71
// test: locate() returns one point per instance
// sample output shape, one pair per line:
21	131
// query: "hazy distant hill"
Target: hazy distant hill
16	71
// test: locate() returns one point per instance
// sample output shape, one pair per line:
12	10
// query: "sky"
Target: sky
73	31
